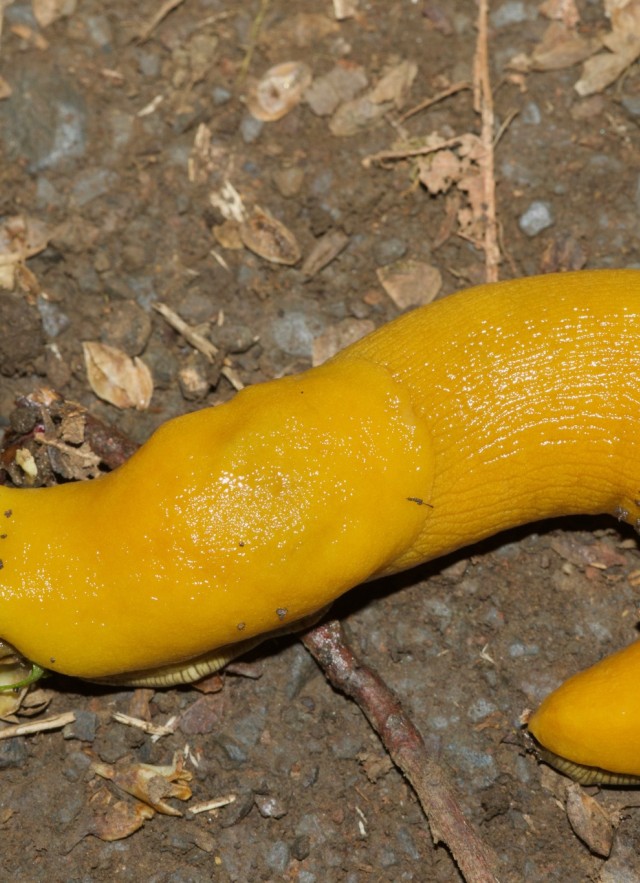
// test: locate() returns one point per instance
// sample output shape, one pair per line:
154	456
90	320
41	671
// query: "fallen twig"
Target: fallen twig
429	102
159	15
46	723
483	104
327	644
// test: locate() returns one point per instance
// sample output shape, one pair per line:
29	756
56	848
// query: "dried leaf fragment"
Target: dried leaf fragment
268	237
116	378
395	83
112	821
324	251
624	44
153	785
278	91
562	47
21	237
589	820
410	283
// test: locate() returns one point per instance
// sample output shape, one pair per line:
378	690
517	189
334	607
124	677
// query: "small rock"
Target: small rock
13	753
20	348
54	321
389	250
250	128
232	338
193	378
83	727
277	857
536	218
45	121
203	716
127	327
341	84
301	847
289	181
512	13
270	807
294	332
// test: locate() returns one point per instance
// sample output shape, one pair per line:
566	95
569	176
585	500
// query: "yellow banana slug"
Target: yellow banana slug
589	727
490	408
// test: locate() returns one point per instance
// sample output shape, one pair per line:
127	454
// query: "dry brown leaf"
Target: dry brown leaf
227	235
117	378
410	283
394	84
115	820
324	251
268	237
623	41
562	47
47	11
589	820
353	116
153	785
565	11
440	170
390	90
21	237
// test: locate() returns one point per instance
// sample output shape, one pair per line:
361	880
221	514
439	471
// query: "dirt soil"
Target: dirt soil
119	134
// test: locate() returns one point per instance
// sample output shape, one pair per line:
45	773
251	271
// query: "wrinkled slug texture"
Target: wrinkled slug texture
490	408
227	523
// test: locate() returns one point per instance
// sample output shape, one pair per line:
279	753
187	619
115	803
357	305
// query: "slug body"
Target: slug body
491	408
590	726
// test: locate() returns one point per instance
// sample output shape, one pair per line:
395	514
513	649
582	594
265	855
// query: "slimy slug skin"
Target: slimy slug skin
589	727
491	408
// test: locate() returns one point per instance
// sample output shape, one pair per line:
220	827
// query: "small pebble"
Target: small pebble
536	218
512	13
83	727
54	321
480	709
277	857
631	104
250	128
295	332
301	848
517	650
13	753
270	807
289	181
531	114
389	250
232	338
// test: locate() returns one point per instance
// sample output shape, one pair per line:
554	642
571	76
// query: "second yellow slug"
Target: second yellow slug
494	407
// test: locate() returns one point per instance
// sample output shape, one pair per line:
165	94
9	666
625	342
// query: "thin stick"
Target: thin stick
327	644
428	102
46	723
407	152
483	104
146	30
